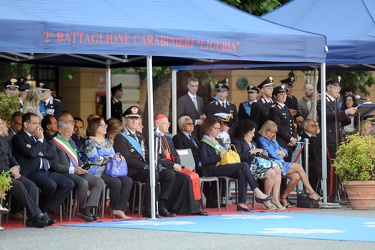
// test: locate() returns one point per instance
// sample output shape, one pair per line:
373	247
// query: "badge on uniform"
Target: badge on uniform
132	150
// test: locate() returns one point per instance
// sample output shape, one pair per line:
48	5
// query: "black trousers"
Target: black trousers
54	188
119	191
25	192
165	177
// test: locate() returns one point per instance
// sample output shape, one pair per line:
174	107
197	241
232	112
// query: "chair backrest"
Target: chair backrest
187	158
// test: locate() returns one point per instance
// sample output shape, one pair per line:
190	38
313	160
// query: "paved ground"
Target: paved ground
60	237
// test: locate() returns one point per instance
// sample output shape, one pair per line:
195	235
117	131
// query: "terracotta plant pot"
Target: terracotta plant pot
361	194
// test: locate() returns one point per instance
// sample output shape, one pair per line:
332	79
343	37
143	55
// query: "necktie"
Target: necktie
195	102
192	140
45	104
223	104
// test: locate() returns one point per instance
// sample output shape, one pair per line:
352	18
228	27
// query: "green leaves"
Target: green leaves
4	183
8	105
355	158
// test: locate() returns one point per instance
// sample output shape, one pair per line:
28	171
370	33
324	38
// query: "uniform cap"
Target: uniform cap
252	89
222	85
289	81
132	111
335	81
11	83
266	83
279	89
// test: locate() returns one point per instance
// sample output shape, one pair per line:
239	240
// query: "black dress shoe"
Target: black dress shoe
85	215
201	212
47	218
36	222
164	212
246	209
147	213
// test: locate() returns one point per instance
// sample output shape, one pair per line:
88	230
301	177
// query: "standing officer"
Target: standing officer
279	113
223	108
260	108
244	110
52	105
116	104
334	118
291	101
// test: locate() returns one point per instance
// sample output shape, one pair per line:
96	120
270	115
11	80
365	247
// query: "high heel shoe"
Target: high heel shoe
319	197
279	206
120	214
270	207
246	209
287	204
259	200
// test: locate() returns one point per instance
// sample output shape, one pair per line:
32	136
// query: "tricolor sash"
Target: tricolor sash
65	145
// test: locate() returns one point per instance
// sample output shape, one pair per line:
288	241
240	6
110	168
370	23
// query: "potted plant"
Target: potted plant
4	183
355	165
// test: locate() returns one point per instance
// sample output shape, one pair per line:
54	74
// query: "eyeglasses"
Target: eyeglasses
312	125
216	128
271	132
189	123
35	123
103	125
17	123
165	123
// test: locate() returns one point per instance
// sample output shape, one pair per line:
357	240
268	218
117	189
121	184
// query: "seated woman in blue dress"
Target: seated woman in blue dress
294	171
211	150
261	166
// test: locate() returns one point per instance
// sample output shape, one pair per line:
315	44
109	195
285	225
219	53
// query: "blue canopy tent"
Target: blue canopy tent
349	26
112	33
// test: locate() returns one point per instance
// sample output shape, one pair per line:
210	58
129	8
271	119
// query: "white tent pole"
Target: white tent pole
323	128
151	138
315	93
108	89
174	102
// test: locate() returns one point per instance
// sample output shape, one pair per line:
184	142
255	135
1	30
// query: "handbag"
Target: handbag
303	200
230	157
116	168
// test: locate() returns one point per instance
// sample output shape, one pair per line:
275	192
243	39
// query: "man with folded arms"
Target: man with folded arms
69	164
34	154
23	190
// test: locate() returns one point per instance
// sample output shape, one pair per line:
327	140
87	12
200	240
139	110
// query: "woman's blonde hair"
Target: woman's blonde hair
268	126
33	97
114	125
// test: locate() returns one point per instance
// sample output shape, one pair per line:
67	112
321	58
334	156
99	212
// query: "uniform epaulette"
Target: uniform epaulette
56	99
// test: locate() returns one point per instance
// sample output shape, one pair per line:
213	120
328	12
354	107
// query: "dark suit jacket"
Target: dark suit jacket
332	114
230	108
134	160
243	149
6	158
259	112
181	141
185	106
61	163
29	158
54	107
284	121
209	157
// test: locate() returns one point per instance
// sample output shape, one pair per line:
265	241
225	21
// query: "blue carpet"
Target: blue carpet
266	224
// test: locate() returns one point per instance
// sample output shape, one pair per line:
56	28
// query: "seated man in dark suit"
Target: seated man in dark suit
23	190
315	157
184	139
69	164
34	154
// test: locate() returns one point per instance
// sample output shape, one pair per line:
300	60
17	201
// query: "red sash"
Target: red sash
194	177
